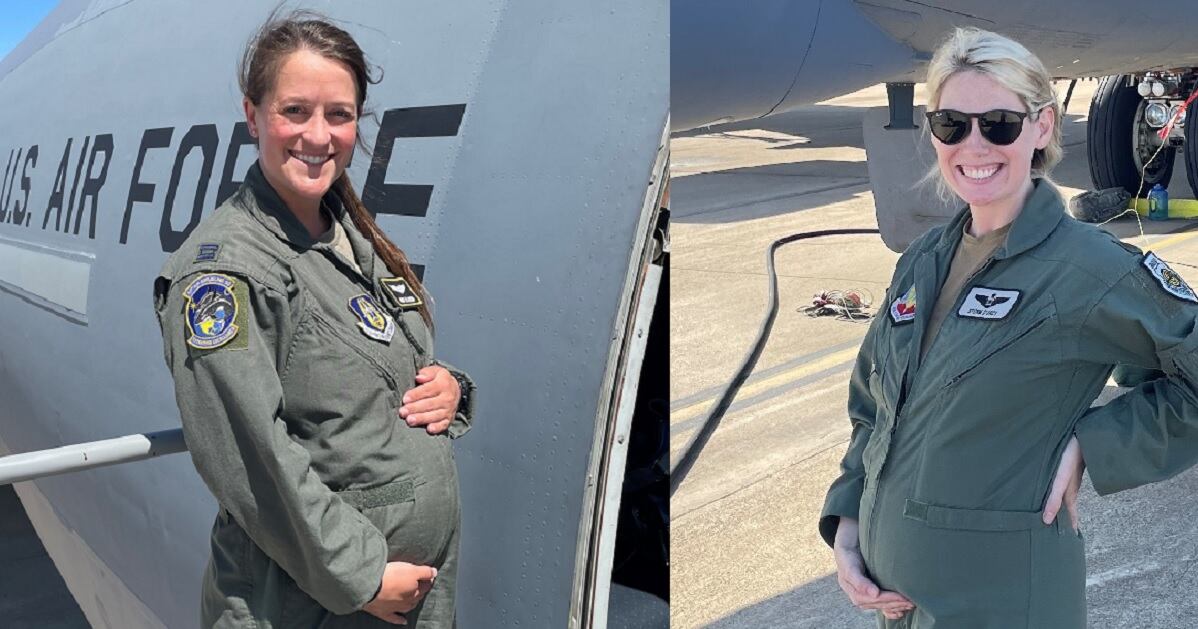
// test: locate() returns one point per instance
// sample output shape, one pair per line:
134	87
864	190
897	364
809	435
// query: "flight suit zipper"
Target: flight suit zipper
966	286
981	269
904	395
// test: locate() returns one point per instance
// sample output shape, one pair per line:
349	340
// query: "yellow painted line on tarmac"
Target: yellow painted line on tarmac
1172	240
789	375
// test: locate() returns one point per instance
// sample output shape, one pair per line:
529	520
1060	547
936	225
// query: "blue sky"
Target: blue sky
17	18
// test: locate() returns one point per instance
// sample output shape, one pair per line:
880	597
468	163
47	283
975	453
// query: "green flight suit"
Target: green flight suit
952	457
289	369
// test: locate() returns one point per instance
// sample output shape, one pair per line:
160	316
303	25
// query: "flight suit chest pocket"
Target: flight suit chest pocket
1019	345
336	371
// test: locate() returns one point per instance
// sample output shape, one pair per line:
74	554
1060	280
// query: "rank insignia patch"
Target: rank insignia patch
988	303
211	311
371	319
1168	278
207	252
903	308
404	295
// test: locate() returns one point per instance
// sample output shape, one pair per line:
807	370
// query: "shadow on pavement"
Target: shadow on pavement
824	125
763	191
817	605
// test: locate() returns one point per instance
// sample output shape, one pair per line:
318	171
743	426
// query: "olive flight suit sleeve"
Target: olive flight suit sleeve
1150	433
463	418
230	398
844	497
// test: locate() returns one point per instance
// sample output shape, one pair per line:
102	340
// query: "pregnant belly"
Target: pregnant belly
973	568
419	522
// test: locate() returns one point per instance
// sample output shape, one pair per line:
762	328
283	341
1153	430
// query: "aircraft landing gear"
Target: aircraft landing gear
1121	141
1191	149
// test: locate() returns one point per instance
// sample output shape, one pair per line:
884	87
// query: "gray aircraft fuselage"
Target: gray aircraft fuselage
517	157
730	62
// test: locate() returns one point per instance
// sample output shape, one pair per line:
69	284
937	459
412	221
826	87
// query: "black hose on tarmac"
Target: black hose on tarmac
694	446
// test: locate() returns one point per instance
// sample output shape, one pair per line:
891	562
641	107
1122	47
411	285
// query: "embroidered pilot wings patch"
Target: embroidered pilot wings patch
404	295
988	303
1168	278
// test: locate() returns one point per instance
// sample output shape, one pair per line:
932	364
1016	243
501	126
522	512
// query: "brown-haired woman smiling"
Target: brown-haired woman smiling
300	343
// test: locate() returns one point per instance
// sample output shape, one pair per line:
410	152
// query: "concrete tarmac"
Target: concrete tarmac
744	547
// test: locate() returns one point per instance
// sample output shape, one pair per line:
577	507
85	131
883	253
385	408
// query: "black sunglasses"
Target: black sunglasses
998	126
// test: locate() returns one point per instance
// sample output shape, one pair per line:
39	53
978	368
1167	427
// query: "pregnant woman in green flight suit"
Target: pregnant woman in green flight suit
970	399
300	343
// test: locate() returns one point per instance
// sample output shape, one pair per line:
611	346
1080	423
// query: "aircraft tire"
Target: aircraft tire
1191	152
1112	120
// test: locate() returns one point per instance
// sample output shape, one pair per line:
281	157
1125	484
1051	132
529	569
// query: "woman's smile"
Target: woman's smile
311	160
979	174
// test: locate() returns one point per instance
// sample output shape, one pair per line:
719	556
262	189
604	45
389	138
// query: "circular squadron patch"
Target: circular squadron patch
211	310
371	319
1168	278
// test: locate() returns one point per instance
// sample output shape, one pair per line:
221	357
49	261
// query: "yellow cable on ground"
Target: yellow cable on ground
1178	208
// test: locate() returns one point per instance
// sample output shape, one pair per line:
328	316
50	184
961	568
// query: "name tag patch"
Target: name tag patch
903	308
1168	278
988	303
404	295
373	322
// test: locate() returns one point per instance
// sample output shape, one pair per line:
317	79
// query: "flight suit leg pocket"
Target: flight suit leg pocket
298	608
969	565
971	519
1058	576
416	517
227	589
231	547
276	599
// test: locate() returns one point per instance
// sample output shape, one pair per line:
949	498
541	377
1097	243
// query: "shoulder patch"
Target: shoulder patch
404	295
214	316
1168	278
903	308
207	252
373	322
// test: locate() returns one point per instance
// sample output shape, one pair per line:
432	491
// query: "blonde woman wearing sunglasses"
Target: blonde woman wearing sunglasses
970	400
